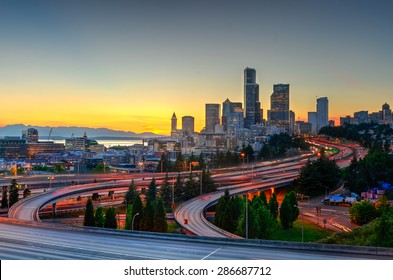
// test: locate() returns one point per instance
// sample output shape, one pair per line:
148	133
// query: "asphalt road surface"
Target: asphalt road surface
37	241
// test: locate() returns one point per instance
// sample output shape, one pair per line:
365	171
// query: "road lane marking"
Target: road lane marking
212	253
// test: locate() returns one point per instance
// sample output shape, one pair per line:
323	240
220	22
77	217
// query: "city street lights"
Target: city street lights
243	155
133	219
50	178
302	222
173	192
140	164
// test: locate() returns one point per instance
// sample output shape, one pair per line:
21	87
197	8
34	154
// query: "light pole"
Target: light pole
173	192
302	222
133	219
50	181
246	215
140	166
200	181
243	155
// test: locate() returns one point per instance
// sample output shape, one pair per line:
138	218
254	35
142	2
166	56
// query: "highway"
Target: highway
280	174
37	241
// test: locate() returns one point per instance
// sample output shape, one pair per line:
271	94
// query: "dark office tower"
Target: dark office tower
188	124
279	106
212	117
291	122
226	110
252	106
229	107
386	113
322	112
173	123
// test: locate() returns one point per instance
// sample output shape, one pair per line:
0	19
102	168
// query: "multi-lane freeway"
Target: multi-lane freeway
190	214
31	240
34	240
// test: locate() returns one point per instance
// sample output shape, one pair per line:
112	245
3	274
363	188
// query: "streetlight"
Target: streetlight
247	212
302	222
243	155
140	166
50	181
173	192
132	223
200	181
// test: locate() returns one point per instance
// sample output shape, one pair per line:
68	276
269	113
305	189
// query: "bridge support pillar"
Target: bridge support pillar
111	194
54	208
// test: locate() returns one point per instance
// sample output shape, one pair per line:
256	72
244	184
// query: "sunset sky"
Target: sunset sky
129	65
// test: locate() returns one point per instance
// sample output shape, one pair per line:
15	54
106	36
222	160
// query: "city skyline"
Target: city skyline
129	66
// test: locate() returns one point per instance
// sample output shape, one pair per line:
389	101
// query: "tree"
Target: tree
14	193
285	214
265	222
131	193
110	218
362	212
152	190
26	192
128	224
178	188
160	223
317	176
208	184
252	224
166	193
273	206
89	220
4	198
384	228
294	206
99	217
137	207
148	216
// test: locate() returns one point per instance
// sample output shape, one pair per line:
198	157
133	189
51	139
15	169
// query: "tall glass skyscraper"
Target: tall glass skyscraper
279	106
212	118
252	106
322	112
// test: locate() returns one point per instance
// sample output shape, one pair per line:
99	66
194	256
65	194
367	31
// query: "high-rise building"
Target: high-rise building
212	118
291	122
252	106
322	112
386	114
312	119
30	135
229	107
235	121
188	124
345	120
360	117
173	122
279	106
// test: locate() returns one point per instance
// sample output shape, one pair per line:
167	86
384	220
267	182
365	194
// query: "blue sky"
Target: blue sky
129	64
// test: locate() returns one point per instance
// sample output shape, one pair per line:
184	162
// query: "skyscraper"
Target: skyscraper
279	106
386	114
322	112
212	112
252	106
173	122
229	107
312	119
188	124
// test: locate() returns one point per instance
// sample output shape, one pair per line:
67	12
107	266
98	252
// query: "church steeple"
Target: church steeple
174	122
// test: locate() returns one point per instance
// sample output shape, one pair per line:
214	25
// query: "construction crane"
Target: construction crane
50	133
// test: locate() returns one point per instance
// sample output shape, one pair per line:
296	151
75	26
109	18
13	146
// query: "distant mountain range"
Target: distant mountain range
62	132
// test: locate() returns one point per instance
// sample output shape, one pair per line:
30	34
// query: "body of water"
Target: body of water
110	143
